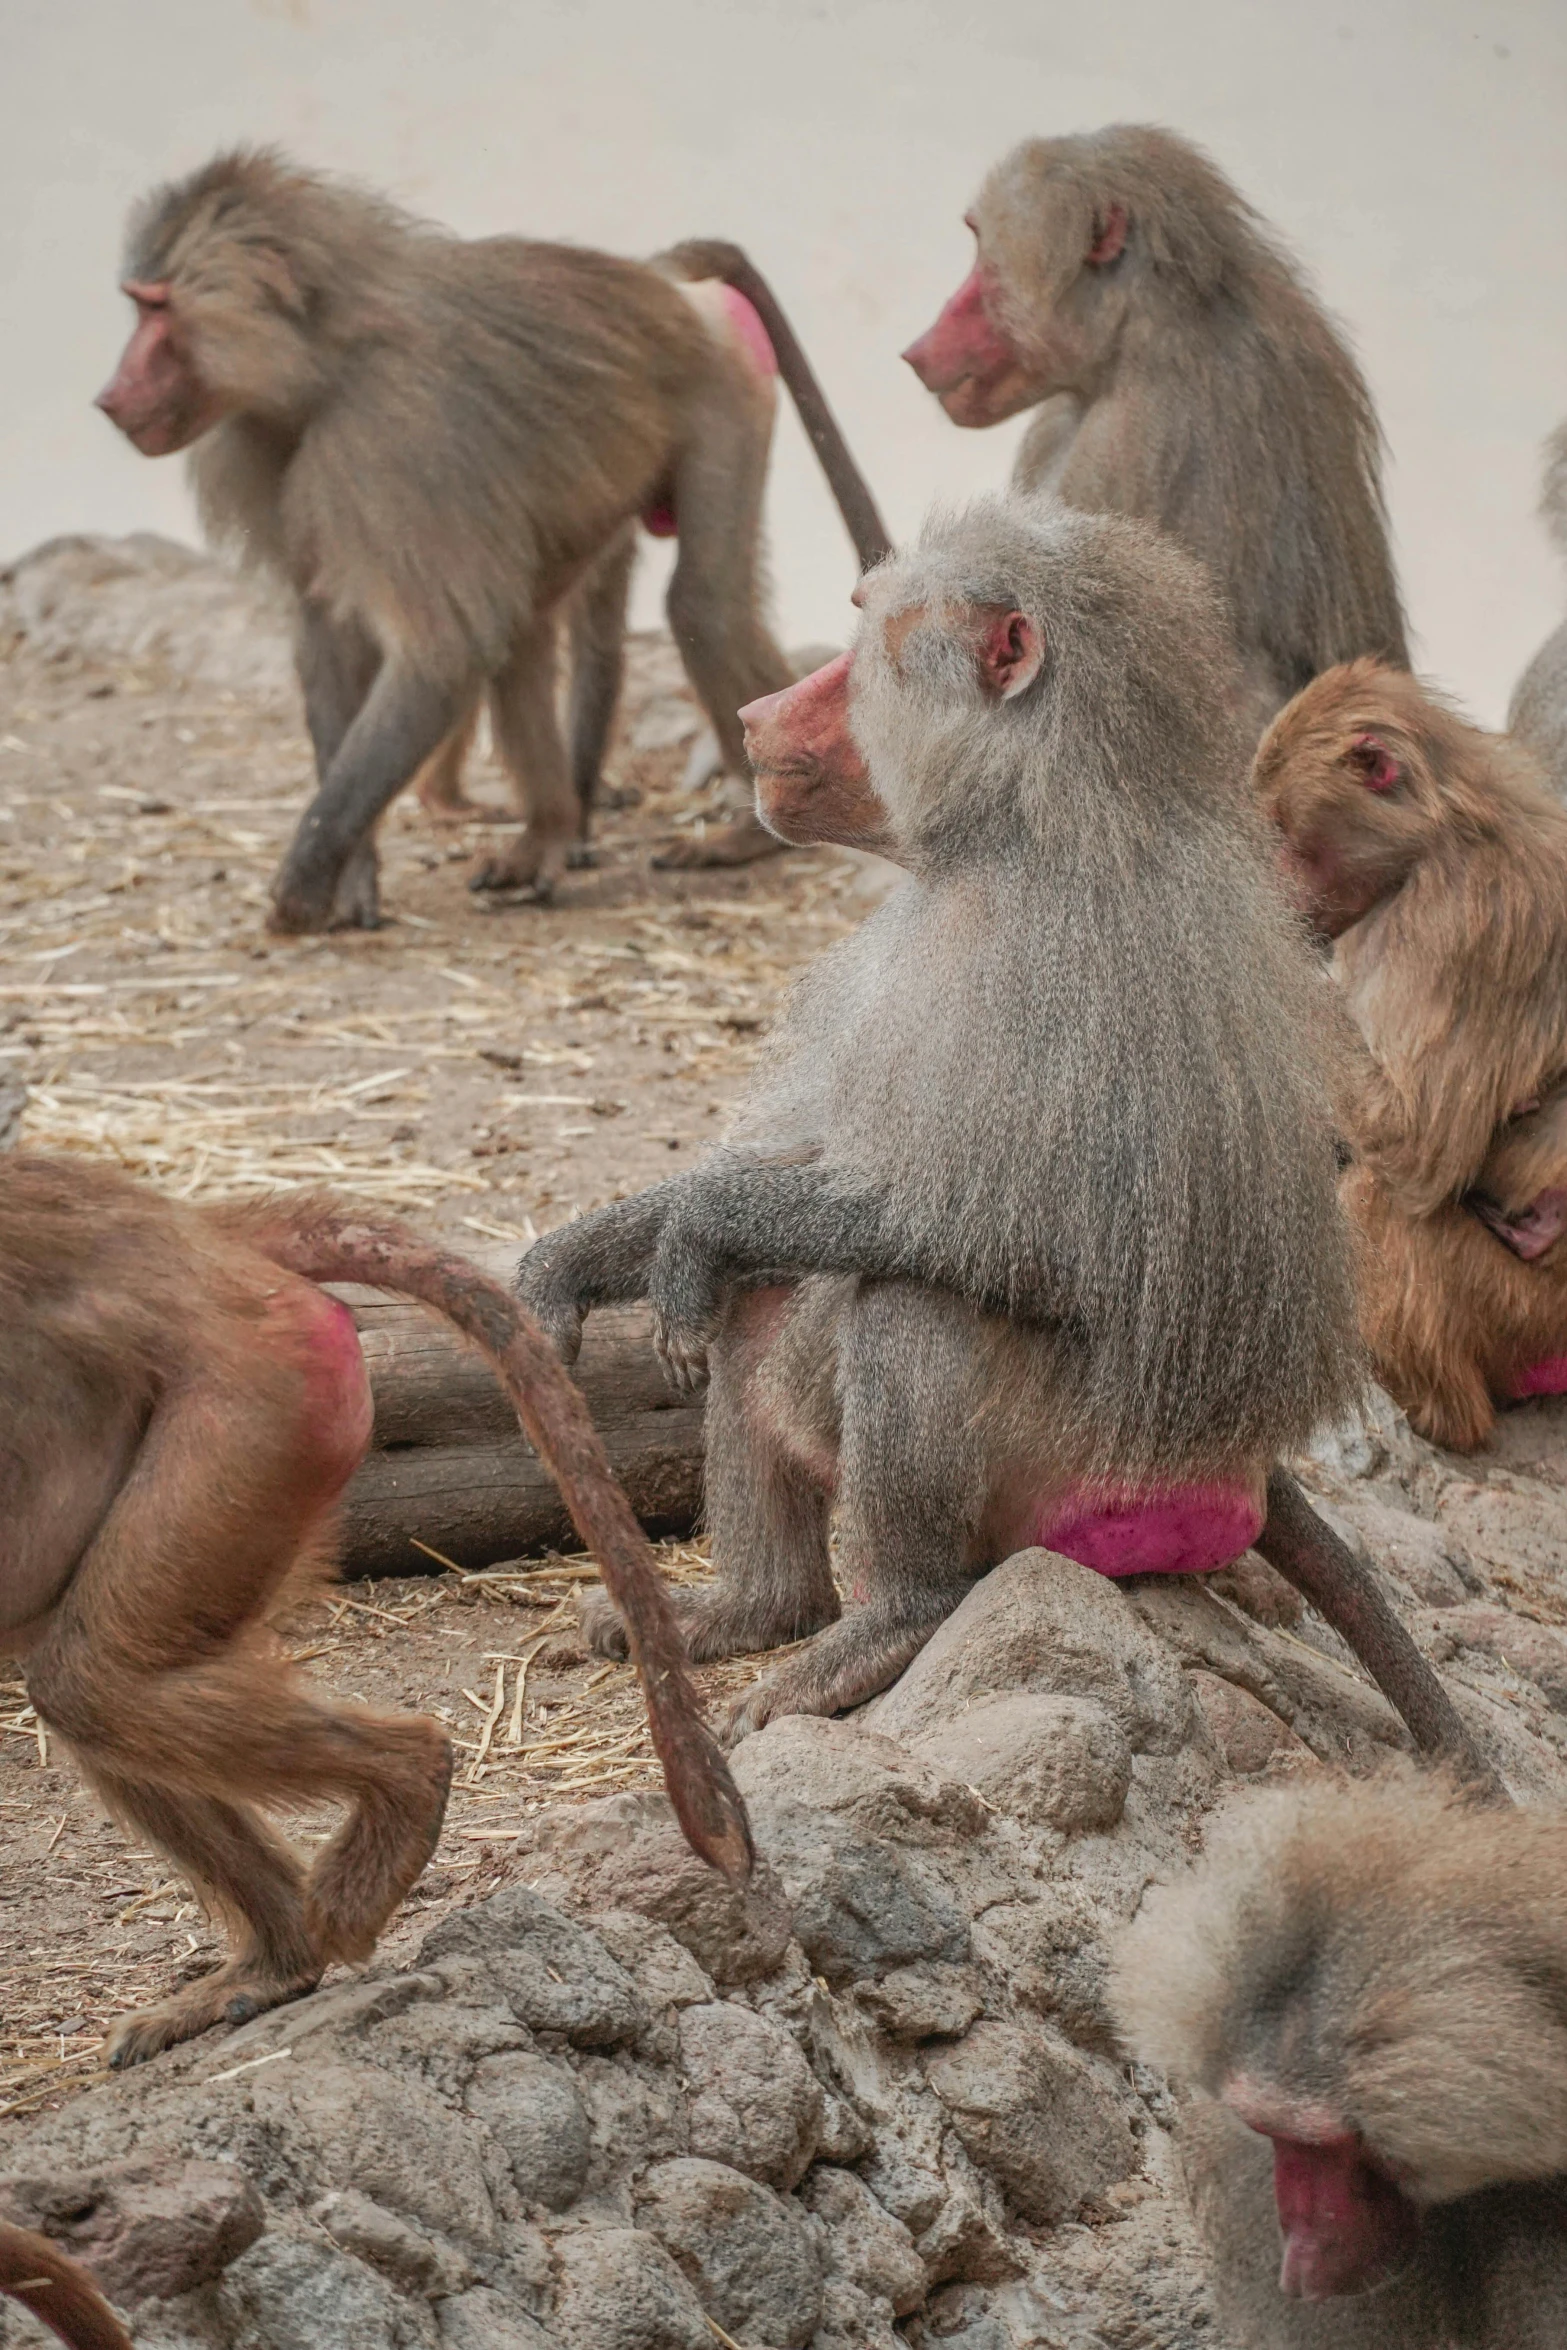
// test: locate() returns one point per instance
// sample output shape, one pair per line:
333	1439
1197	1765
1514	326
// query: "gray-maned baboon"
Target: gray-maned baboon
1367	1985
1434	857
443	447
182	1408
1182	371
1057	1100
1537	713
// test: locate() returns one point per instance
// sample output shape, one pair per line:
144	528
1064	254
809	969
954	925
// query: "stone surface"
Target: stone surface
749	2254
1039	2117
619	2290
1247	1733
146	2230
861	2242
1063	1762
860	1906
734	1936
755	2103
532	2108
554	1974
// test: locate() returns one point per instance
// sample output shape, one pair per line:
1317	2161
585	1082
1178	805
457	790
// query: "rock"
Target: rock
1374	1438
288	2294
748	2253
663	1970
1058	1762
619	2290
859	1906
1506	1525
482	2320
1537	1652
735	1936
1051	1954
148	2230
1246	1733
638	2114
412	2259
842	1767
755	2103
1042	1623
927	2002
1428	1559
1036	2115
556	1976
1260	1591
861	2242
532	2108
148	602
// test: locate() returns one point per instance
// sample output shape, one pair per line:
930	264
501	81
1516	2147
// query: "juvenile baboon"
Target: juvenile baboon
1057	1101
1367	1987
1537	714
443	447
1184	372
58	2291
181	1410
1434	857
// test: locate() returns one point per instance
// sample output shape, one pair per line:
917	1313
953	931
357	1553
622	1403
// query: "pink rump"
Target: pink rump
1181	1530
750	331
1547	1378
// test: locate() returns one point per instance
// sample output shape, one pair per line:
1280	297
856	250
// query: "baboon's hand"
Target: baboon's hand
551	1301
681	1347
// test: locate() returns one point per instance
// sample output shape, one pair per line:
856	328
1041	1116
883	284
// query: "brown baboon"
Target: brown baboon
182	1409
1184	372
1435	858
1056	1102
58	2291
1367	1985
1537	713
443	448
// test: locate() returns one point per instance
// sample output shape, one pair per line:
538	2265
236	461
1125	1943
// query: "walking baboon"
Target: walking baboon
1182	371
442	446
1537	714
1367	1985
1434	857
1057	1100
182	1410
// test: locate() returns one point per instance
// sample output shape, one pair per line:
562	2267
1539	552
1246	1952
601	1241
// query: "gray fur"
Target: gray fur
1537	713
1058	1093
1218	400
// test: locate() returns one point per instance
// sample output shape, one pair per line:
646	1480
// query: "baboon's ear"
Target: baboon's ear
1109	237
1009	649
1373	764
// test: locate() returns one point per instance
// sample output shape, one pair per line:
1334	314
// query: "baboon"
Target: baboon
1366	1987
1182	371
442	446
1537	713
1434	857
1056	1103
182	1409
58	2291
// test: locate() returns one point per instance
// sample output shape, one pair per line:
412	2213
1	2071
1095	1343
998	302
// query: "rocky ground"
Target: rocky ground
592	2100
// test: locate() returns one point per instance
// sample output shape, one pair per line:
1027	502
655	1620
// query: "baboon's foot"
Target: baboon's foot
232	1994
851	1661
681	1347
715	1623
582	857
459	809
739	843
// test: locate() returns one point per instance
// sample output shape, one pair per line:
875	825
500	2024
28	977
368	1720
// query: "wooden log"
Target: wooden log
449	1464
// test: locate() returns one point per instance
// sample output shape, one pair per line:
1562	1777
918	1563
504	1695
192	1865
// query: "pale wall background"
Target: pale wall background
1412	150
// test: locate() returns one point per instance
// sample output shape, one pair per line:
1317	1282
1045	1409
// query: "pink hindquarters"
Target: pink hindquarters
1547	1378
749	331
337	1412
1185	1530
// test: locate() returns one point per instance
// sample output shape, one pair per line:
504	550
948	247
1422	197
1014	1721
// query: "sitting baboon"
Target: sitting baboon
1367	1988
1057	1104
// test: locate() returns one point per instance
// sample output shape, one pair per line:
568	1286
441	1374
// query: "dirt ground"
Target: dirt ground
486	1068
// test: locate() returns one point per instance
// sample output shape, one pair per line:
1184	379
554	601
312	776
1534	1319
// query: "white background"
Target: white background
1412	151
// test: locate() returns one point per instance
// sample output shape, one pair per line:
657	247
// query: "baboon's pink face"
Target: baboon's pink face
157	397
969	360
811	782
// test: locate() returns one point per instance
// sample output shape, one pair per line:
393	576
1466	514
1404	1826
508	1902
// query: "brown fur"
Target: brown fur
182	1409
1193	380
58	2291
1388	1962
442	447
1446	895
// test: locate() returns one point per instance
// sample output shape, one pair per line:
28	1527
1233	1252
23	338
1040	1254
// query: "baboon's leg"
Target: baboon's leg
716	601
911	1491
596	627
438	784
767	1506
528	739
